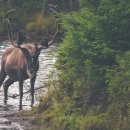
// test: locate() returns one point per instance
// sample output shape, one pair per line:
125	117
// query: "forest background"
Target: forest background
92	91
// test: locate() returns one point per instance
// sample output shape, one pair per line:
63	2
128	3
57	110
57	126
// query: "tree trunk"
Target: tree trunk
45	7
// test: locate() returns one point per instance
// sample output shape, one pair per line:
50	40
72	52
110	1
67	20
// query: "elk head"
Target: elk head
21	37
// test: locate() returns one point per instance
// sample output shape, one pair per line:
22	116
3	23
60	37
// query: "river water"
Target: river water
47	59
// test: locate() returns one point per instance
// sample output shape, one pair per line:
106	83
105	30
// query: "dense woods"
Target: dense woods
92	88
29	14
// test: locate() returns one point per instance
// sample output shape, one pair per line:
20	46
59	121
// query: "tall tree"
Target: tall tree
45	7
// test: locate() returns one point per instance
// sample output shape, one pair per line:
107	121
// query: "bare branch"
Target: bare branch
54	8
16	95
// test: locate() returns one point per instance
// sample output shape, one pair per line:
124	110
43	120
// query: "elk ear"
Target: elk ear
21	37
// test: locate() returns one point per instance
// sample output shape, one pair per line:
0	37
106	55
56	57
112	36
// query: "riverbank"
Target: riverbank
23	118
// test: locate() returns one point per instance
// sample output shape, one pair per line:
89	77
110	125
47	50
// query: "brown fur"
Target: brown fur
13	60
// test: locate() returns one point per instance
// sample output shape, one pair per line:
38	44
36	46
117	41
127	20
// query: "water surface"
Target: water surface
46	60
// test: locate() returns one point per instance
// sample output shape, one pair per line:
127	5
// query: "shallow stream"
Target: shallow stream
47	60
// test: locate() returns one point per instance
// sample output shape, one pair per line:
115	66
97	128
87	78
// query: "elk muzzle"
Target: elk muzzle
31	72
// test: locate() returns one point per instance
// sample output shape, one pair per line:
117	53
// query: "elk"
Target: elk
20	62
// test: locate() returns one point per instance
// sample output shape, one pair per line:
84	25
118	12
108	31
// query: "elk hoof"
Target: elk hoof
5	102
20	107
31	105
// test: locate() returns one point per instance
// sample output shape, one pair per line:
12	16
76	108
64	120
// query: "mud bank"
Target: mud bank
19	121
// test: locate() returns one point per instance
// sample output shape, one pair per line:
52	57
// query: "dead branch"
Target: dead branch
16	95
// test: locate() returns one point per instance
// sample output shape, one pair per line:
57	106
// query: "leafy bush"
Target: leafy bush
92	90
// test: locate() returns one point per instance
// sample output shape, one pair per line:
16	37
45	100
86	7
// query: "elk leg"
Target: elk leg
2	77
6	85
32	82
21	93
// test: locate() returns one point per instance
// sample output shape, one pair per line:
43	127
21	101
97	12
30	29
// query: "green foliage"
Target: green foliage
94	122
92	89
83	56
118	78
23	11
29	12
41	22
115	23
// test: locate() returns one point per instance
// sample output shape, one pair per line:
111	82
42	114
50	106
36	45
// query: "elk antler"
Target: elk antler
54	36
55	10
7	14
6	19
21	34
